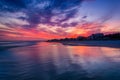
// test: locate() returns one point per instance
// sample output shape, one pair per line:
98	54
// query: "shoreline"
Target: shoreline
14	44
110	43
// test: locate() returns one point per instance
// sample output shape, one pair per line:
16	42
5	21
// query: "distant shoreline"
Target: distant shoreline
102	43
108	43
13	44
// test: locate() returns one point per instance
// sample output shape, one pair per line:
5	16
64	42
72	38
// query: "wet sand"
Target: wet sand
115	44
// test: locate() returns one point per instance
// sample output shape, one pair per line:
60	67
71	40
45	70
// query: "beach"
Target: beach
115	43
56	61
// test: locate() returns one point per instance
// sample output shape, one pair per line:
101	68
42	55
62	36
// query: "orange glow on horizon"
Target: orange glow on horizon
51	32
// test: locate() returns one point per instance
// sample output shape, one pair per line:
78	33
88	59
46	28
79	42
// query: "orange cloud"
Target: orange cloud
51	32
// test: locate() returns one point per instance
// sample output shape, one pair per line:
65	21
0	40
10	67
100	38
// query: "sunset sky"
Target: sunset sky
48	19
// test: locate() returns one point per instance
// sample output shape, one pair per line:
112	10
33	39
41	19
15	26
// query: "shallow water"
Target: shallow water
54	61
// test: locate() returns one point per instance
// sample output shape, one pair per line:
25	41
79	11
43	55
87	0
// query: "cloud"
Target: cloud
56	17
11	5
42	11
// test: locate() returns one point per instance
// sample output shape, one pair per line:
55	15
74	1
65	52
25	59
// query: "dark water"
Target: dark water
54	61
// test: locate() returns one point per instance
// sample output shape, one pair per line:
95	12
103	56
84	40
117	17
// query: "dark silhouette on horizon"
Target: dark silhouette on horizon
97	36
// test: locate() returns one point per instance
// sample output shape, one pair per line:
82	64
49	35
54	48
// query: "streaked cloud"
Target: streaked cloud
58	18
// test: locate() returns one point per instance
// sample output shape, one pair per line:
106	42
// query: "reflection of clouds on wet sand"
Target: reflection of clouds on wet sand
54	61
94	59
112	53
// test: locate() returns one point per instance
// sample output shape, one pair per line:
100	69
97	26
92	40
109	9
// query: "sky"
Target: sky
49	19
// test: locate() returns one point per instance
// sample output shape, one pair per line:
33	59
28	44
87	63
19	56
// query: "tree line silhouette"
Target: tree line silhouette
97	36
